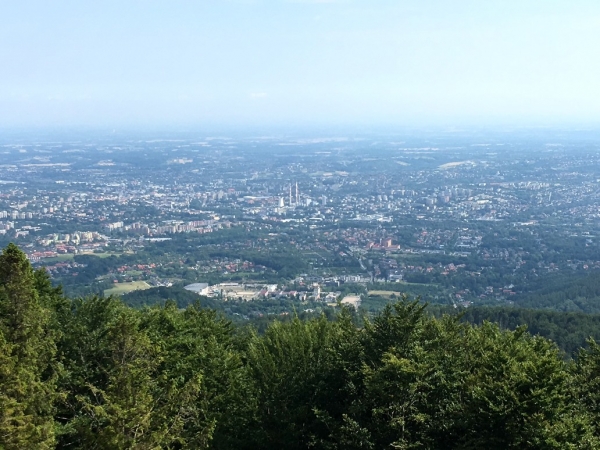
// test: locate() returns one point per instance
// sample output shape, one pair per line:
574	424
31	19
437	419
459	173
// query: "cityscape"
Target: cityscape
458	219
299	224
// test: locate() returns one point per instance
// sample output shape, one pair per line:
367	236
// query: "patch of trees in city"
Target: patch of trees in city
95	373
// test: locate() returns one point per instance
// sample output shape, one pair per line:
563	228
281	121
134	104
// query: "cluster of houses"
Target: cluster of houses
249	291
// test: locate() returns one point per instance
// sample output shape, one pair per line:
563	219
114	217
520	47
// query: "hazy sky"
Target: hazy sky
277	62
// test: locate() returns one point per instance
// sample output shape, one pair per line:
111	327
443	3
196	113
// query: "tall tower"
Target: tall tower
290	195
297	194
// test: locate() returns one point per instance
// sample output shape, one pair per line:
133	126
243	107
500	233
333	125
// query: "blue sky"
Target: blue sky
276	62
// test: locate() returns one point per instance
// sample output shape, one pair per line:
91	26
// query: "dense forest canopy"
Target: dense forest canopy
95	373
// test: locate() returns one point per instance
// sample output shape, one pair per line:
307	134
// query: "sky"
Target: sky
246	63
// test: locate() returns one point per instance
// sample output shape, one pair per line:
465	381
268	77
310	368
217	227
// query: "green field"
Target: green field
385	293
123	288
133	273
102	255
59	258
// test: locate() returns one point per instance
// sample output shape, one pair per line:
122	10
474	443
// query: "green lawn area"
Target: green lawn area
133	273
102	255
59	258
123	288
384	293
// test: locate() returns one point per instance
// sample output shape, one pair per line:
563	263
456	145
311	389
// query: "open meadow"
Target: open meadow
123	288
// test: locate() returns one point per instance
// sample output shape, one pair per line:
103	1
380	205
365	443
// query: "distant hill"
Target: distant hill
565	293
159	295
569	330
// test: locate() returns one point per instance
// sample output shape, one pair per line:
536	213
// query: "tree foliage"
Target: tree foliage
27	388
94	373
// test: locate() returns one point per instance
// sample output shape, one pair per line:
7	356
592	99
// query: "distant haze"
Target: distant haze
276	62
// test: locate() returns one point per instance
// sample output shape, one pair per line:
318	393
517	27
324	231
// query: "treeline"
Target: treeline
257	313
564	293
569	330
160	295
96	374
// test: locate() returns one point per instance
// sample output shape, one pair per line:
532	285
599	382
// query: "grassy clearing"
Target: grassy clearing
123	288
103	254
385	293
59	258
402	288
133	273
316	256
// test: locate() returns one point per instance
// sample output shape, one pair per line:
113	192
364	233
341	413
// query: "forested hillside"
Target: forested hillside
96	374
569	330
159	295
563	293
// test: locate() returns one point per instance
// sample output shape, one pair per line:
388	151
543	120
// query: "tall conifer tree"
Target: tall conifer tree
26	352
